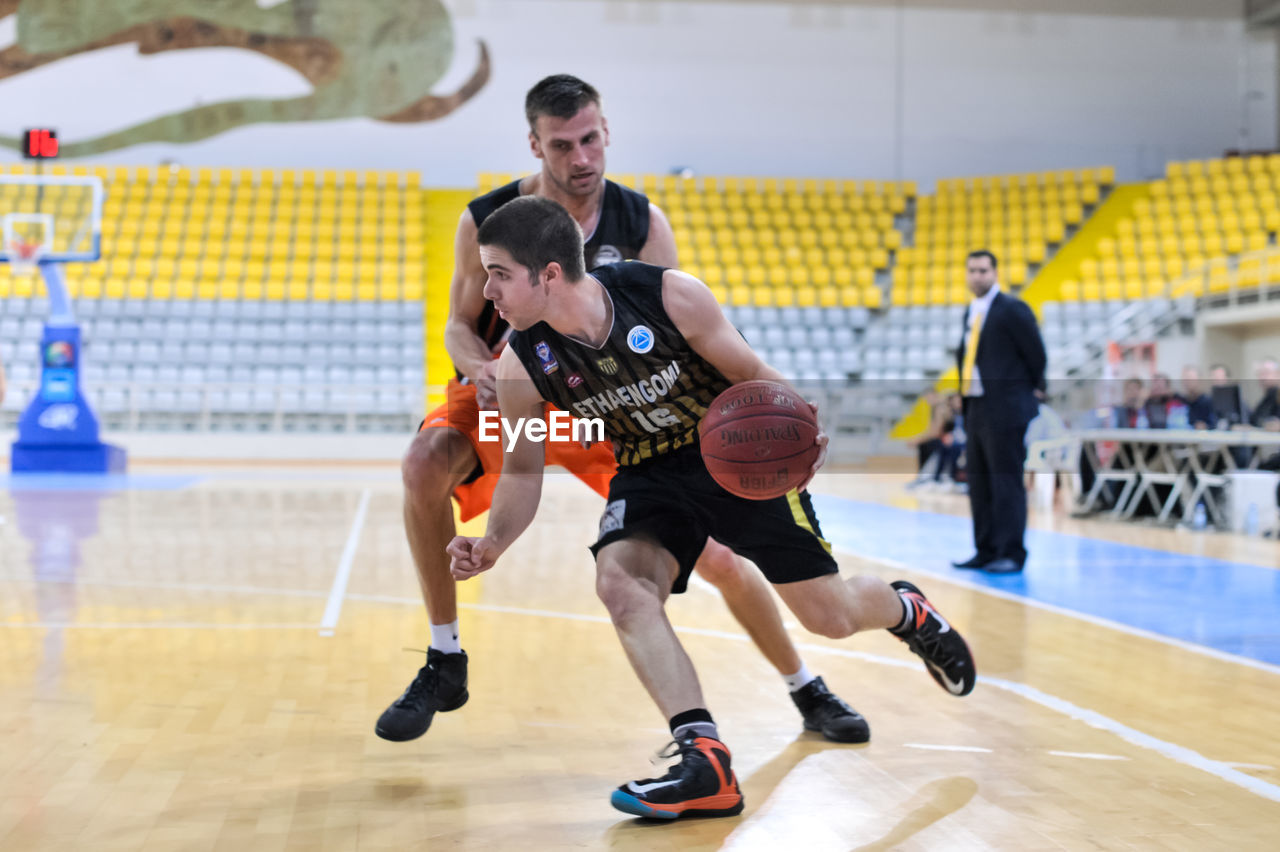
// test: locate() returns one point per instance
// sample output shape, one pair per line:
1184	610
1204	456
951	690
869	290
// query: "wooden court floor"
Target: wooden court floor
182	667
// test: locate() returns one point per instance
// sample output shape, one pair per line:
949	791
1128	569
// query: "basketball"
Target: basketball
758	440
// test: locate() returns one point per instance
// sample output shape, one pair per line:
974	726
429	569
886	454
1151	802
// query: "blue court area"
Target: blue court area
1228	606
95	482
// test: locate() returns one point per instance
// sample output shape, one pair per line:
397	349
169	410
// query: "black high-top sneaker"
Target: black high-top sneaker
823	711
441	686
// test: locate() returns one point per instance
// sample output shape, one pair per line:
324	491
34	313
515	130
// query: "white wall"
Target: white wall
1240	337
922	90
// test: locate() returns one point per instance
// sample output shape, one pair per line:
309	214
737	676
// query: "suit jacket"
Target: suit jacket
1011	357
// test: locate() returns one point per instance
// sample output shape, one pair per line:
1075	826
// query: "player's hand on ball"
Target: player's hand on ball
470	556
821	440
487	387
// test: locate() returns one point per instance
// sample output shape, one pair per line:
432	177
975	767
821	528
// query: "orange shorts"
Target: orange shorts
594	466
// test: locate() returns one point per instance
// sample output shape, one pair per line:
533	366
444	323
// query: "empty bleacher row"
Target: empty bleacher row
172	232
895	355
1180	239
778	242
1020	218
224	364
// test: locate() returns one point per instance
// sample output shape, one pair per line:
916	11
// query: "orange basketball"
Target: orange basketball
758	440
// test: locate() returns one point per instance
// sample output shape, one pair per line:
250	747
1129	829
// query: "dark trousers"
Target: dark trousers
925	451
997	491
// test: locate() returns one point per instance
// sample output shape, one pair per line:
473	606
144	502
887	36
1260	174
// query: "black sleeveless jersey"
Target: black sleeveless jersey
620	233
647	385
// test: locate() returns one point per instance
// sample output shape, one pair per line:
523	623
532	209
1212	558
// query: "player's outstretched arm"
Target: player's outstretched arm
466	348
698	317
516	496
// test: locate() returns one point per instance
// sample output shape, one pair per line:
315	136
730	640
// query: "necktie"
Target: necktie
970	353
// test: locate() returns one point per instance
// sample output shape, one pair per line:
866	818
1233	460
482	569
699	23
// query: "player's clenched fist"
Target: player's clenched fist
470	556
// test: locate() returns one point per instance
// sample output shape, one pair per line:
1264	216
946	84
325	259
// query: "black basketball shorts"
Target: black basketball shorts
673	500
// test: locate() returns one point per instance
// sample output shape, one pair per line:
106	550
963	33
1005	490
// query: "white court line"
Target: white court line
333	609
931	747
1251	766
1176	753
1181	754
151	625
1071	613
1084	755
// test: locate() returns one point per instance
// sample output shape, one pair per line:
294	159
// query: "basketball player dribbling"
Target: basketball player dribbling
664	330
568	133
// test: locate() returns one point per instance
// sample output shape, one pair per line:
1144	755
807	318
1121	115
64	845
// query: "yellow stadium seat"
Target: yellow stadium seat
762	296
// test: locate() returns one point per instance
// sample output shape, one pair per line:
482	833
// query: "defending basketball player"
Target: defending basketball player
568	134
664	329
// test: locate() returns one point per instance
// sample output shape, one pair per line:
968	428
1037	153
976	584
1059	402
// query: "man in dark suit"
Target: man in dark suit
1001	360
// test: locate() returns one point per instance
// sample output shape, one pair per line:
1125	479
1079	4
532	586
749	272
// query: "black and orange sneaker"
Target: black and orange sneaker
932	638
701	784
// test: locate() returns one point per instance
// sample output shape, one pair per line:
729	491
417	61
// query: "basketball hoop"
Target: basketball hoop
25	256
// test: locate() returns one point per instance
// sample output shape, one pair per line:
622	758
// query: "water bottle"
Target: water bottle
1200	519
1178	417
1251	519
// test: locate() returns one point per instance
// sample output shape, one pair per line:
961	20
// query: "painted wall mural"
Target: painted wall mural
376	59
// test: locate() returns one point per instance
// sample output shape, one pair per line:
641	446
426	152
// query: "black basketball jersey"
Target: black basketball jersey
647	385
620	234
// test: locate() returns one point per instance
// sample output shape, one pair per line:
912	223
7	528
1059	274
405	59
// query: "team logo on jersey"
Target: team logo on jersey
607	365
640	339
607	254
573	381
549	362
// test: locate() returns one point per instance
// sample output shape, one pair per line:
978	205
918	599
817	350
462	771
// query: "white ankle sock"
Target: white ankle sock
800	679
444	638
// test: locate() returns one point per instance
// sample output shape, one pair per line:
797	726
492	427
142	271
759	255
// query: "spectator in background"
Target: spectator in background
1130	413
1228	403
929	441
1266	414
1163	409
1	383
1200	413
936	447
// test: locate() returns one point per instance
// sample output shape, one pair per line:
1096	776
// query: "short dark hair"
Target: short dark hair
1131	381
560	95
995	264
536	231
1223	367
